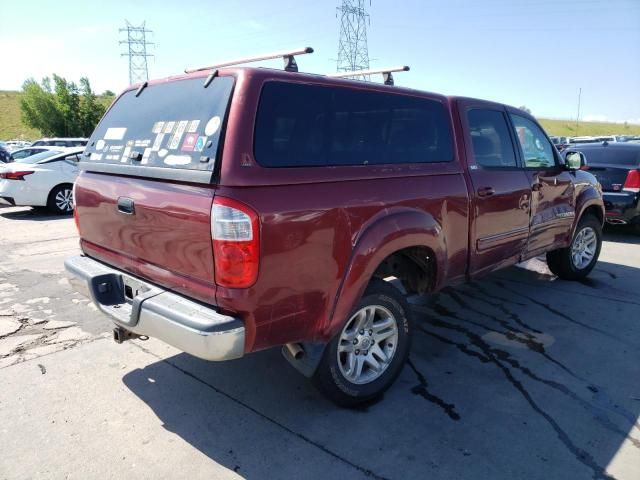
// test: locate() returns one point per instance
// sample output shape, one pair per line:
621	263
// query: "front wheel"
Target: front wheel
577	260
61	200
366	356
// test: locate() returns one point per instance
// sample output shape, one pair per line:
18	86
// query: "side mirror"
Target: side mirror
575	160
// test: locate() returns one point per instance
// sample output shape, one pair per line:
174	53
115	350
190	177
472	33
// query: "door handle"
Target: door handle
126	206
486	191
536	187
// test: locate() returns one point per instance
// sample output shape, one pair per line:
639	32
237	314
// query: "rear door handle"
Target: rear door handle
126	206
486	191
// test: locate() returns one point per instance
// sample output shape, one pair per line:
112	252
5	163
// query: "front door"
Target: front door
501	191
552	198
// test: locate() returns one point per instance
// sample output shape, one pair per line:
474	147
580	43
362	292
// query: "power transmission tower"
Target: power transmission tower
137	52
353	53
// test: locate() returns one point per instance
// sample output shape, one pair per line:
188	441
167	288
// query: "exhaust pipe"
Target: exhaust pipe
121	335
616	221
295	349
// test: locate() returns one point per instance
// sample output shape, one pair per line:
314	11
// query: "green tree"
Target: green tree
523	107
108	93
63	110
91	111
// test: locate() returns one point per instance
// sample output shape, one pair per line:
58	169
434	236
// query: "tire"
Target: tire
569	267
337	378
61	200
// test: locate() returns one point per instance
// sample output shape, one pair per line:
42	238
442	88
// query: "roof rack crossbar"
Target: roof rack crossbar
288	56
386	73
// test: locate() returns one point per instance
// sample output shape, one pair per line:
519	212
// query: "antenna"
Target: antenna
137	51
578	116
353	52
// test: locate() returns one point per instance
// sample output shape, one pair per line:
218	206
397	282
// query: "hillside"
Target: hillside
567	128
11	126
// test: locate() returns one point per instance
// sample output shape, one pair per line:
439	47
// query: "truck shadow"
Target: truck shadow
520	375
30	214
621	234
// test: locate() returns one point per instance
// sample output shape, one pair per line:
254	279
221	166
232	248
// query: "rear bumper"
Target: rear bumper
7	201
145	309
622	207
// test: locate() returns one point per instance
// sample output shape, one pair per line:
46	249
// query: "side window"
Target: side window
22	154
309	125
536	149
491	142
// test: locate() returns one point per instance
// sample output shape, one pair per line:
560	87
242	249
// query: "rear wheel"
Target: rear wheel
577	260
61	200
366	356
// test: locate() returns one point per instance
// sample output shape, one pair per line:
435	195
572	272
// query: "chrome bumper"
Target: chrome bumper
145	309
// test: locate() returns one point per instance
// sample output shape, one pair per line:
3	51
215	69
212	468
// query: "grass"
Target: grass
567	128
11	126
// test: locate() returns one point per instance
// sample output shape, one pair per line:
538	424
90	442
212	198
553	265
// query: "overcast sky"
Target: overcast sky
536	53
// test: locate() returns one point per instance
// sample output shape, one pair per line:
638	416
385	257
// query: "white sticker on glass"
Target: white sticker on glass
125	154
100	144
115	133
157	127
163	153
145	156
168	128
212	126
157	142
178	159
193	126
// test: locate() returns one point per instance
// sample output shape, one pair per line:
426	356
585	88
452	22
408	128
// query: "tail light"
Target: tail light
632	183
15	175
235	232
75	210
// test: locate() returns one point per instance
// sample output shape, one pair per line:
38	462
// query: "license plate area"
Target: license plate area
133	288
120	296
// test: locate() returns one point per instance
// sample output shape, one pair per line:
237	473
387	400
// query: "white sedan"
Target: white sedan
41	180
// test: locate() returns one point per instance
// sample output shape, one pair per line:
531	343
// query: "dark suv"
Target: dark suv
617	168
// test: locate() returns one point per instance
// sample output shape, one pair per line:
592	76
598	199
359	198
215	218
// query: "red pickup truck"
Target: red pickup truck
232	210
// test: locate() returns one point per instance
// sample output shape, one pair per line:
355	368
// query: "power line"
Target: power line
353	52
137	51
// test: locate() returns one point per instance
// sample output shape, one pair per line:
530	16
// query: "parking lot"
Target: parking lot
519	375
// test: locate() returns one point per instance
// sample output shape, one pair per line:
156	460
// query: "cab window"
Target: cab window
490	139
537	151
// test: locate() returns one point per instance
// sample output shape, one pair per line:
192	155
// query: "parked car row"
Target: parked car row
43	179
13	145
563	142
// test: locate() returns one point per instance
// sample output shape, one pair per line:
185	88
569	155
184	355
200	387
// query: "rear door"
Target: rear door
145	192
501	191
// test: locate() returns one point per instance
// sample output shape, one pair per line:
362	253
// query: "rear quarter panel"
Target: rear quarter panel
322	227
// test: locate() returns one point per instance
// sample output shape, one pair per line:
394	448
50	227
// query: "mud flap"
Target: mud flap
309	362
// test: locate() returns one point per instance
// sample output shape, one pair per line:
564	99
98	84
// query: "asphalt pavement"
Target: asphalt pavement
517	376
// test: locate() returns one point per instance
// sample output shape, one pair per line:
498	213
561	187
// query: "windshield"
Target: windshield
38	157
172	125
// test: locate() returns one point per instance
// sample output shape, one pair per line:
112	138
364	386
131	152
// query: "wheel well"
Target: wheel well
415	267
595	211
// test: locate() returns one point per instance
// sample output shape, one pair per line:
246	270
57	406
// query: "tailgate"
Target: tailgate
144	196
165	238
